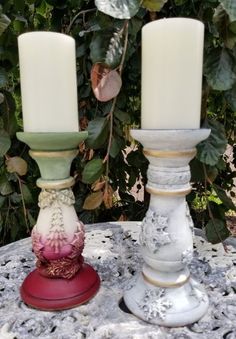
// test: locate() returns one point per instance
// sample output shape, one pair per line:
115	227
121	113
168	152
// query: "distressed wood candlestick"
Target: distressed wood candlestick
164	293
61	280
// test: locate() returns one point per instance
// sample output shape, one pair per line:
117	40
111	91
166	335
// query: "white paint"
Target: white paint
166	235
48	82
172	57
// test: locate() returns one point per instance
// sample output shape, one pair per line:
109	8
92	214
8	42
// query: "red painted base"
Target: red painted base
50	294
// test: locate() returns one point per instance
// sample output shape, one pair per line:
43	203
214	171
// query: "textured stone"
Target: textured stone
113	250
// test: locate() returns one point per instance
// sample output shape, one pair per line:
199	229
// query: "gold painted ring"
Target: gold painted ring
169	154
53	154
168	193
165	284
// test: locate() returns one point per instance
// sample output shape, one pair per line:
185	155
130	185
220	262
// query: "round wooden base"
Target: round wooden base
50	294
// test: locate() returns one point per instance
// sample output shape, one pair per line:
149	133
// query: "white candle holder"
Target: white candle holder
164	293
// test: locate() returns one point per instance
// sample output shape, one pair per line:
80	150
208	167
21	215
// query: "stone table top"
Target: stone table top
113	250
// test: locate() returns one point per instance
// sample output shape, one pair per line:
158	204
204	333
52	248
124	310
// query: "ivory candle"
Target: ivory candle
172	57
48	82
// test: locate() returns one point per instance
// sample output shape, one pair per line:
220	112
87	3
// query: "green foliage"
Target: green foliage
124	9
110	32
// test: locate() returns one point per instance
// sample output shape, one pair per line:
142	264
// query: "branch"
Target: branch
77	15
125	29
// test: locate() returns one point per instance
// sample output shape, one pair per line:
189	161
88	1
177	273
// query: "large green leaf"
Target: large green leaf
216	231
224	197
124	9
5	142
116	145
92	171
230	8
106	47
210	150
231	97
97	133
5	187
219	69
154	5
4	23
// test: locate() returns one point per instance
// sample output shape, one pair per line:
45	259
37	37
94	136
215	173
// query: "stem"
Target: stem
77	15
23	203
111	114
208	206
107	157
126	29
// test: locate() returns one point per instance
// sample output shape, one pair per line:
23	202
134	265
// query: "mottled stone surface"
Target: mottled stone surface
113	250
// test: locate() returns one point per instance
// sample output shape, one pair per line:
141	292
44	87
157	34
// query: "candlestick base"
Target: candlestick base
61	279
164	293
171	307
48	294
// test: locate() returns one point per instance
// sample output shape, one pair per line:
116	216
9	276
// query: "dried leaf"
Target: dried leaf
17	165
108	197
98	185
93	200
106	83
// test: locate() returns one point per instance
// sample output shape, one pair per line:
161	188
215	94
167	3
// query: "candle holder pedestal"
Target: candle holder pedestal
61	280
164	293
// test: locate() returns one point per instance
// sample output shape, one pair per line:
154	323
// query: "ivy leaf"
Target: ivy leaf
216	231
231	97
210	150
116	146
106	83
4	23
5	142
124	9
224	197
27	195
123	117
3	78
93	200
106	47
97	133
17	165
219	69
5	187
154	5
230	8
92	171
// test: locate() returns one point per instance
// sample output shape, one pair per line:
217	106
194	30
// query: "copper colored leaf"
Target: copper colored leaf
108	197
106	83
93	200
17	165
98	185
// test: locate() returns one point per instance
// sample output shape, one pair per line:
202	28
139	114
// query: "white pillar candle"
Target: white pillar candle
48	82
172	56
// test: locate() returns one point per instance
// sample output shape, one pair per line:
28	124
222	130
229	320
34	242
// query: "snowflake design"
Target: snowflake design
187	256
154	305
154	234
